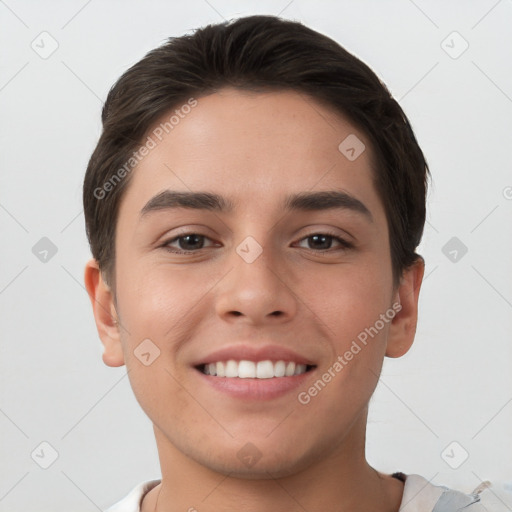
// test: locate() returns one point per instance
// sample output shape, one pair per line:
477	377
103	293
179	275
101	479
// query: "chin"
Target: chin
252	464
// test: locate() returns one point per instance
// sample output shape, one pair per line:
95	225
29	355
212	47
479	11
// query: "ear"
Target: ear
105	315
403	326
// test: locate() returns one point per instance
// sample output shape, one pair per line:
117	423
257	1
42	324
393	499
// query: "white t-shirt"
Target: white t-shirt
419	496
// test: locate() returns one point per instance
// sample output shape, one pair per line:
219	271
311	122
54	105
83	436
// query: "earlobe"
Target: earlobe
105	314
403	326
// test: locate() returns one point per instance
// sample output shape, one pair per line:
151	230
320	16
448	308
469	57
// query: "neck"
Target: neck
341	481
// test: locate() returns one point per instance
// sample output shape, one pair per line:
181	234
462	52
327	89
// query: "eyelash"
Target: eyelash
345	245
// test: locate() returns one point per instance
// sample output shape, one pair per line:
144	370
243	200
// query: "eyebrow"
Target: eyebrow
304	201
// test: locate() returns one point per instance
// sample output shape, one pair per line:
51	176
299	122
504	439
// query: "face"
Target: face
258	275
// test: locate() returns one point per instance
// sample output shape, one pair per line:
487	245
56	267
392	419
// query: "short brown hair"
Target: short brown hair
257	53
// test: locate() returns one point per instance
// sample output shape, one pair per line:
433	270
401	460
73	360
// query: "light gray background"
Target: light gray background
455	384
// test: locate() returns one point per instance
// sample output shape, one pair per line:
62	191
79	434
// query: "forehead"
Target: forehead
254	148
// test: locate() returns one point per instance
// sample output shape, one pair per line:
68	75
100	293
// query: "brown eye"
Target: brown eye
324	242
188	242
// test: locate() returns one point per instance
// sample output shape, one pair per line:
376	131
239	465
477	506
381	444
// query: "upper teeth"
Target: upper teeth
249	369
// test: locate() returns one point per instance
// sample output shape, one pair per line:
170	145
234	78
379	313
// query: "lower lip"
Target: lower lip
256	389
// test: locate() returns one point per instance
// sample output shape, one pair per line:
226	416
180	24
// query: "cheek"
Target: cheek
154	305
352	303
156	298
346	382
166	305
348	298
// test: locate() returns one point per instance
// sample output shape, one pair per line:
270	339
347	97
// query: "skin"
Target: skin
256	148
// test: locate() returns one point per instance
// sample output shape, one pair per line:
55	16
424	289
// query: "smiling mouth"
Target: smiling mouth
244	369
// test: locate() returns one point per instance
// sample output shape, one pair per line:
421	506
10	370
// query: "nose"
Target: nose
256	292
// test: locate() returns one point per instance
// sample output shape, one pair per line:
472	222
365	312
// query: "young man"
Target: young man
253	207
